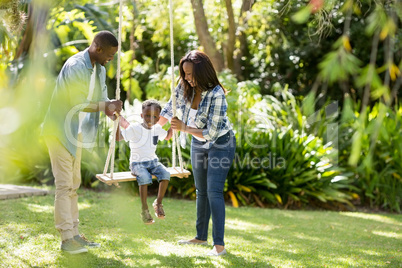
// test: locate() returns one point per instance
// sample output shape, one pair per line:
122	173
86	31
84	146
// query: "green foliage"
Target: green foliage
277	162
159	86
339	65
375	163
324	46
130	81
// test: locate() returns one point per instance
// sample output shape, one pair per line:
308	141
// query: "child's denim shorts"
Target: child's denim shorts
144	171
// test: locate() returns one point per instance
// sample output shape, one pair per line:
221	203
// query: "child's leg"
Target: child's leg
163	178
143	189
157	204
162	190
143	179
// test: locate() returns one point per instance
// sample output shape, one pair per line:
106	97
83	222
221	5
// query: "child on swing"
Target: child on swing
143	138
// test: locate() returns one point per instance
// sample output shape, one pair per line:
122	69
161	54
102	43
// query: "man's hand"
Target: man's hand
112	107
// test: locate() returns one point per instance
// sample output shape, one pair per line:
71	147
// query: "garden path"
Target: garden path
8	191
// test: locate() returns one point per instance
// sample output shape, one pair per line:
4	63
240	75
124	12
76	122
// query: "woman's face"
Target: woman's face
188	73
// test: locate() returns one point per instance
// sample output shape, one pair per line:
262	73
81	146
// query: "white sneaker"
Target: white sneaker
213	252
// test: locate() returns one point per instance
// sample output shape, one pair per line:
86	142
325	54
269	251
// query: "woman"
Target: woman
201	111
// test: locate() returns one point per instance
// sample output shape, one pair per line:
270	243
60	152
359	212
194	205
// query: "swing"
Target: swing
114	178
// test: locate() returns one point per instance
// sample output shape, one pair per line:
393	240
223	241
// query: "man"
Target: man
71	124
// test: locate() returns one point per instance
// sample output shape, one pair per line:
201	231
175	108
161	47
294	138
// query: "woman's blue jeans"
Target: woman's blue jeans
211	165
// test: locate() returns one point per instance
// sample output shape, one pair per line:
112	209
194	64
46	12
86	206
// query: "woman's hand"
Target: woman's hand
177	124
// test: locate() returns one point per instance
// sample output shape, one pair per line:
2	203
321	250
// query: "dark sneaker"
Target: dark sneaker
83	241
72	247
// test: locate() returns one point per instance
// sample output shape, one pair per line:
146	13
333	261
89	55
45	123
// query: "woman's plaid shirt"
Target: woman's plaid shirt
211	114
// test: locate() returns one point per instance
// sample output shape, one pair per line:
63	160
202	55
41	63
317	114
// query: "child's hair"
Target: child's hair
148	103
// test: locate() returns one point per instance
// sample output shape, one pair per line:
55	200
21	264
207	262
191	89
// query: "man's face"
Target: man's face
105	54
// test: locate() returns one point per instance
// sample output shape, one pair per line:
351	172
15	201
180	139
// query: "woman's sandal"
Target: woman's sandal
159	212
146	217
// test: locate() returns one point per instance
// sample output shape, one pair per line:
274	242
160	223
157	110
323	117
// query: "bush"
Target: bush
278	161
371	150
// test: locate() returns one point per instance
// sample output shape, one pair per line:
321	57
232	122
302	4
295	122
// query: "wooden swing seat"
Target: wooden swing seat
128	176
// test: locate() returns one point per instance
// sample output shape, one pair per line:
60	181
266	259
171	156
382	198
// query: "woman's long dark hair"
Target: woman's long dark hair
204	74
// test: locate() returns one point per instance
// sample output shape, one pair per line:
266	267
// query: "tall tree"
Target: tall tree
230	46
243	49
231	61
206	40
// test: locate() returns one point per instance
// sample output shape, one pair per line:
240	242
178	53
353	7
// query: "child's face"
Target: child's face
150	115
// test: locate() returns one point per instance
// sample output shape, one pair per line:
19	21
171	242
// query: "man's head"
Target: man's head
103	47
151	110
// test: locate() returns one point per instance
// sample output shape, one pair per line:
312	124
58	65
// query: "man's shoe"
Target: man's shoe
72	247
215	253
192	242
83	241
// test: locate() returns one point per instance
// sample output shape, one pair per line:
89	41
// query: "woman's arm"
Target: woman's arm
177	124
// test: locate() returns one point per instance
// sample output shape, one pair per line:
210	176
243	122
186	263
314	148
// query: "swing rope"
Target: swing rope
111	153
172	90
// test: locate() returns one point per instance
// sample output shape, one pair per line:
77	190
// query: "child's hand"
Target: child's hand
123	122
169	134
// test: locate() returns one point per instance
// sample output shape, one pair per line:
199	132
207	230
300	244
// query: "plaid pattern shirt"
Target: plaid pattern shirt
211	114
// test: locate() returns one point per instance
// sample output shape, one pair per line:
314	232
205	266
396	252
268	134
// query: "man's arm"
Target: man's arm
76	81
108	107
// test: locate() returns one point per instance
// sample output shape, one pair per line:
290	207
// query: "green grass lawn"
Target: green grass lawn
254	237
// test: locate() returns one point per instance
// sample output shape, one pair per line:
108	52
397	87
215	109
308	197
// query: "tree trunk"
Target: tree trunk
133	46
26	40
205	37
232	36
36	25
243	50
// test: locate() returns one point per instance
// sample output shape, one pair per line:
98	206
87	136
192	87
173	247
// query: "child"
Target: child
143	160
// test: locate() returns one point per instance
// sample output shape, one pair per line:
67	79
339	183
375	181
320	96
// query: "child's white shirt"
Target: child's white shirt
143	141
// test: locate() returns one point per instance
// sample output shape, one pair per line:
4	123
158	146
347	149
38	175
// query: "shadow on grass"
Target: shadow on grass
86	260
